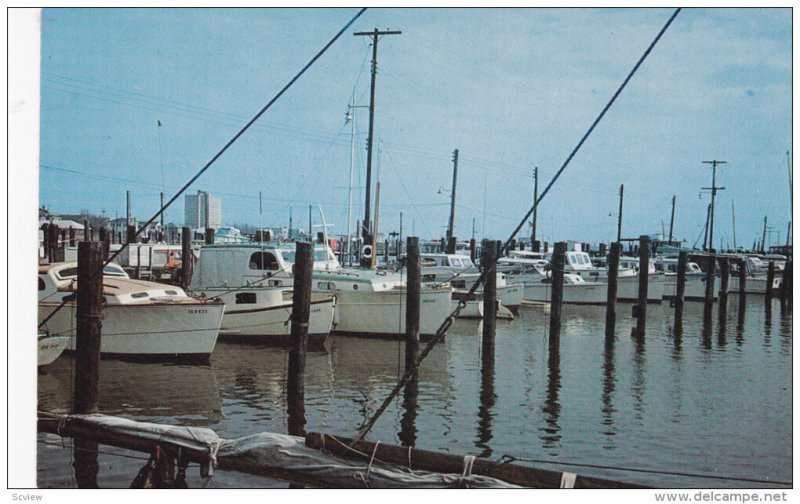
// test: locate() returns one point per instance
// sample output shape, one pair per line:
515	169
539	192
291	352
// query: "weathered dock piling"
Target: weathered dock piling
105	239
770	280
413	289
209	236
408	430
724	277
786	283
301	310
613	275
89	323
711	269
680	289
473	250
557	294
131	234
742	276
187	259
644	274
488	263
71	236
52	233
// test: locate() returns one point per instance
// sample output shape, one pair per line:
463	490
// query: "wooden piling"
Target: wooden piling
644	274
301	309
711	266
408	429
488	263
680	288
71	236
725	273
770	279
473	250
187	259
105	239
131	234
53	242
413	290
742	277
210	236
786	282
557	295
613	274
451	245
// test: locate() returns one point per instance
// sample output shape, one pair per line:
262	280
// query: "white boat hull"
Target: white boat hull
270	322
181	330
754	285
50	348
628	288
694	289
580	293
383	313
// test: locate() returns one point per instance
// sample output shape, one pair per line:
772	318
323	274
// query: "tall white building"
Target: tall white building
202	210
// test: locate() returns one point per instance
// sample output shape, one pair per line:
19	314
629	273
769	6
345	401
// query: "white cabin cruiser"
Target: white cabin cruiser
695	279
459	271
576	290
368	302
258	306
755	276
140	319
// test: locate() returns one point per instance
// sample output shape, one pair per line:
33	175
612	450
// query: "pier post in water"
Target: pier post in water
105	239
301	310
711	266
613	274
413	289
557	294
680	288
187	261
131	234
408	430
770	279
644	272
786	282
742	277
488	263
71	236
725	273
473	250
89	325
209	234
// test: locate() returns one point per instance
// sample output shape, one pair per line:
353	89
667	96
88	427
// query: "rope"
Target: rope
461	304
236	137
505	459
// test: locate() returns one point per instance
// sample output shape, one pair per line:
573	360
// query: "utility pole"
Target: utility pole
619	218
672	219
365	225
714	190
535	206
451	222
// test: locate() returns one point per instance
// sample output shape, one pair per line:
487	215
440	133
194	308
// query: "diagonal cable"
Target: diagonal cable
365	428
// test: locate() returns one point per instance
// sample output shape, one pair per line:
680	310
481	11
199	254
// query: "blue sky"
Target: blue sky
510	88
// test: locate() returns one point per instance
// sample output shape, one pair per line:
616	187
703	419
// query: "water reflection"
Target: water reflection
551	431
767	322
742	305
139	390
723	320
707	327
638	377
609	387
487	399
408	427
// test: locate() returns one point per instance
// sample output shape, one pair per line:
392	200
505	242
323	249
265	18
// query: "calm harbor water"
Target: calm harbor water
715	401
